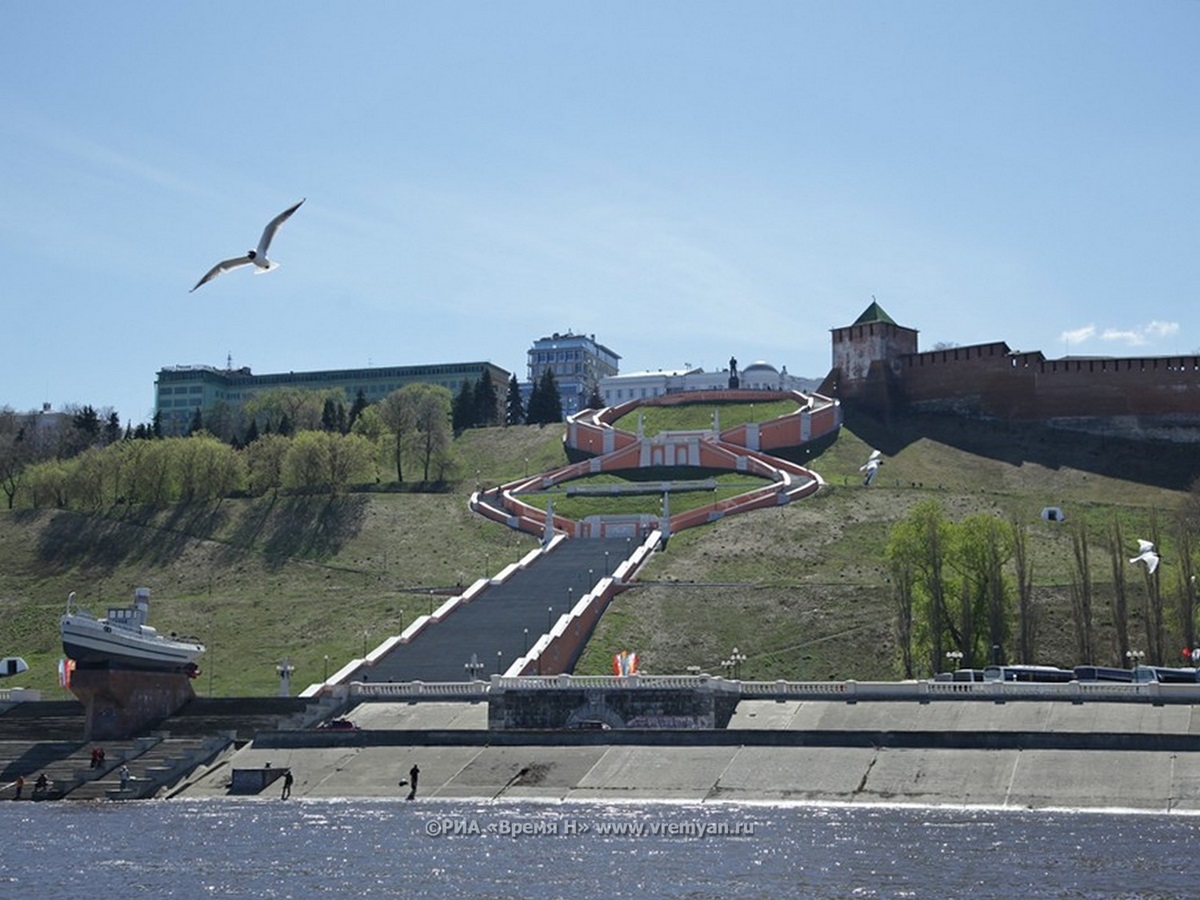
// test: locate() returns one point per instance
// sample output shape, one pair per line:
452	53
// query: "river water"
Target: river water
443	848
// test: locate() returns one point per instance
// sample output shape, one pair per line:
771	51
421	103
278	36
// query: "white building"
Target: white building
758	376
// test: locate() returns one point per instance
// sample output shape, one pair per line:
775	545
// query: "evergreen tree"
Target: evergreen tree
156	425
554	410
360	403
112	429
463	411
197	424
514	406
595	401
251	433
485	400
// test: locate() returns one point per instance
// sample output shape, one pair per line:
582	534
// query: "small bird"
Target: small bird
871	467
1146	555
256	257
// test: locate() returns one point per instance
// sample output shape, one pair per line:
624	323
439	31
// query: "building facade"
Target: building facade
758	376
179	391
578	363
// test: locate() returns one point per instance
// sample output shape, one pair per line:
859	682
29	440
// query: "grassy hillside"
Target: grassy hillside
801	589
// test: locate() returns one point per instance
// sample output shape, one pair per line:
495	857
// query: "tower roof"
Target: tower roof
874	313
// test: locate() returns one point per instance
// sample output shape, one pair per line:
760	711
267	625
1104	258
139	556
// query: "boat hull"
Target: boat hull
93	644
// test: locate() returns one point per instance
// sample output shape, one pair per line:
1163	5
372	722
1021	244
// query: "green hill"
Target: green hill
801	590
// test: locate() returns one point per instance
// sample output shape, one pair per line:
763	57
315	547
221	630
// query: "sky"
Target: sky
688	181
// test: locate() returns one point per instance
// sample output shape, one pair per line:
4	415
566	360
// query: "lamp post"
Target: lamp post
474	667
526	650
549	613
954	659
605	563
736	659
1135	657
499	657
326	678
285	670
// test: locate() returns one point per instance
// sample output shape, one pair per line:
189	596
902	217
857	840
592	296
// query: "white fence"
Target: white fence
846	691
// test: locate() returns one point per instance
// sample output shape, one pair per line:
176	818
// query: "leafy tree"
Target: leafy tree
1026	611
514	406
264	463
917	547
433	427
398	412
1120	597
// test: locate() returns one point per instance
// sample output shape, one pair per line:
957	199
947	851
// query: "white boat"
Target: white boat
123	640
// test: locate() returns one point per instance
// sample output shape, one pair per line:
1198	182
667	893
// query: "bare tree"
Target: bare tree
1026	612
1081	595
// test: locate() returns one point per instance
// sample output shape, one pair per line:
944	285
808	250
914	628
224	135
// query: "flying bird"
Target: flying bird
1146	555
256	257
871	467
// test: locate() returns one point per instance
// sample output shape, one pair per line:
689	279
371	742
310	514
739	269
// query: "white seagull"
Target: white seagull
256	257
874	461
1146	555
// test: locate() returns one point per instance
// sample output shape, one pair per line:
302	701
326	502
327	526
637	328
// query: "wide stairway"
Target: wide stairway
504	621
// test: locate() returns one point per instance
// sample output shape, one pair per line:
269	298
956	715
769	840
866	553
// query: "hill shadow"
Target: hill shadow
1164	464
309	526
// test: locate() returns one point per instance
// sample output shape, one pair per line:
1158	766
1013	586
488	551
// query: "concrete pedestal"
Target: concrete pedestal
118	703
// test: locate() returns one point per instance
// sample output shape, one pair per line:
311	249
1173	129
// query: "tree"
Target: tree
917	548
360	403
264	463
463	414
1081	595
1120	597
432	421
595	401
485	400
545	405
514	406
398	412
1026	612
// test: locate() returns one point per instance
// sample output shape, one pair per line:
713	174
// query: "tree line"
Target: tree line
964	592
282	438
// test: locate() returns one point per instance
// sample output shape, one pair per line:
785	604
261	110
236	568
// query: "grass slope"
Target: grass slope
801	589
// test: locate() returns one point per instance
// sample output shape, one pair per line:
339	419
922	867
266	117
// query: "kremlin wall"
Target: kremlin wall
878	369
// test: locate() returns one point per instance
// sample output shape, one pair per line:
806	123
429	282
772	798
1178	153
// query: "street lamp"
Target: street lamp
499	657
549	613
605	563
474	667
326	678
954	659
526	650
736	659
1135	657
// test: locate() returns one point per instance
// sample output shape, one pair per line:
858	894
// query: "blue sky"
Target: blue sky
688	181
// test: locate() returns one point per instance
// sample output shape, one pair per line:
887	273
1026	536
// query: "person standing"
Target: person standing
287	784
123	774
20	785
413	774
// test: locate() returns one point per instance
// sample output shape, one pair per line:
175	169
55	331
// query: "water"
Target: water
434	848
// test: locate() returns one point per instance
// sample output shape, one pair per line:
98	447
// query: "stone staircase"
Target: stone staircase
37	738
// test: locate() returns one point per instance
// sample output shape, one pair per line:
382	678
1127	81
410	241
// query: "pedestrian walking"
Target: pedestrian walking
413	774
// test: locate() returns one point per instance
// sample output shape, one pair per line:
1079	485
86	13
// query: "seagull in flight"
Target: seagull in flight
871	467
1147	555
256	257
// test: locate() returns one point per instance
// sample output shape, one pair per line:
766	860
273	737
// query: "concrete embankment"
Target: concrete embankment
1020	755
